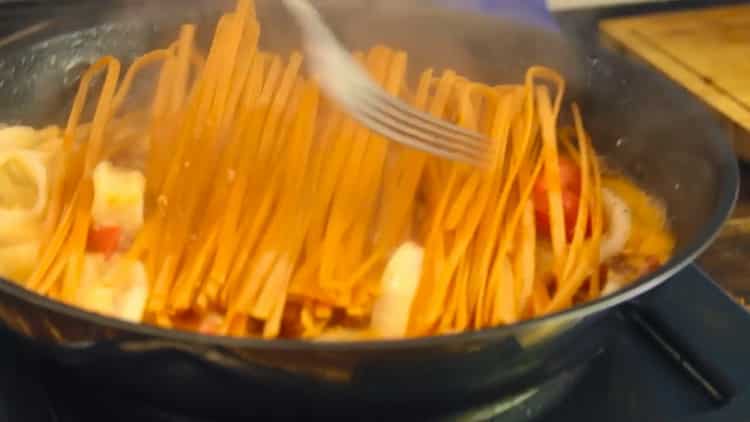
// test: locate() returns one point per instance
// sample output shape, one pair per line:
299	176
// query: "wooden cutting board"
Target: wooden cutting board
705	50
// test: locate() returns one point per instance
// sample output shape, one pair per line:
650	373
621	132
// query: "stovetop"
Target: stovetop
678	354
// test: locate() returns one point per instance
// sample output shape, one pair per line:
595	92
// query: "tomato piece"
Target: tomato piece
210	325
104	239
570	176
652	264
570	202
570	184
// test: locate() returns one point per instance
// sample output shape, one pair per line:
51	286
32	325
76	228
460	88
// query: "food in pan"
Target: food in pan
237	200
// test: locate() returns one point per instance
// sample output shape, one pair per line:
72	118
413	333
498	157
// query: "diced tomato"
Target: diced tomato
104	240
652	264
570	184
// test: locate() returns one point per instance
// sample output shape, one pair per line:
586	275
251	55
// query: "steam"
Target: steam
37	84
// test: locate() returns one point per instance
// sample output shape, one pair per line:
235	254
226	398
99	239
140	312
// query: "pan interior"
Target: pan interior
639	122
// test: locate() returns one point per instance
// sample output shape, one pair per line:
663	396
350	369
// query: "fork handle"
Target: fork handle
310	21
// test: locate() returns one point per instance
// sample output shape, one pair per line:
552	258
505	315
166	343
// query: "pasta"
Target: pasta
240	201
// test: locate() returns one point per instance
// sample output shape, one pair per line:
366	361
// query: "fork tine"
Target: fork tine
436	140
406	134
361	83
427	124
392	112
346	82
419	144
429	120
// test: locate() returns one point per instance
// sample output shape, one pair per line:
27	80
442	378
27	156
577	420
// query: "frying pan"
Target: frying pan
640	122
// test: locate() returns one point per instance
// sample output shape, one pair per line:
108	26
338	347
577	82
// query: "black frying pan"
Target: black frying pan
640	121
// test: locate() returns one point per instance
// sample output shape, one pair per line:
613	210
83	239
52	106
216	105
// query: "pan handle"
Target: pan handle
696	316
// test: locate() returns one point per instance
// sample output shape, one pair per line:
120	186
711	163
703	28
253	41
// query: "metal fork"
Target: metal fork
347	83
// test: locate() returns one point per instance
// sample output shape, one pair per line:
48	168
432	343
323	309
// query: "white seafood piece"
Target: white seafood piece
620	221
29	165
115	287
118	197
390	314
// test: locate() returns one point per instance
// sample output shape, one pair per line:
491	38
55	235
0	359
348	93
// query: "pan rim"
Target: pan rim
726	200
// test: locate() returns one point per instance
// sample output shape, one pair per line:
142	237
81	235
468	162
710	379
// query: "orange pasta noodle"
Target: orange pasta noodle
50	267
185	52
267	306
423	314
363	284
229	188
344	207
501	277
461	210
268	141
523	253
67	170
551	176
372	179
61	232
504	186
524	264
202	165
190	125
188	282
597	217
503	114
76	248
524	242
261	265
133	71
402	183
467	119
258	209
104	110
231	238
159	128
291	204
334	153
582	214
379	148
462	316
181	204
265	263
588	264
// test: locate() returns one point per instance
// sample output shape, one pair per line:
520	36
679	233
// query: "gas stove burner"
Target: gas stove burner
73	399
528	406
